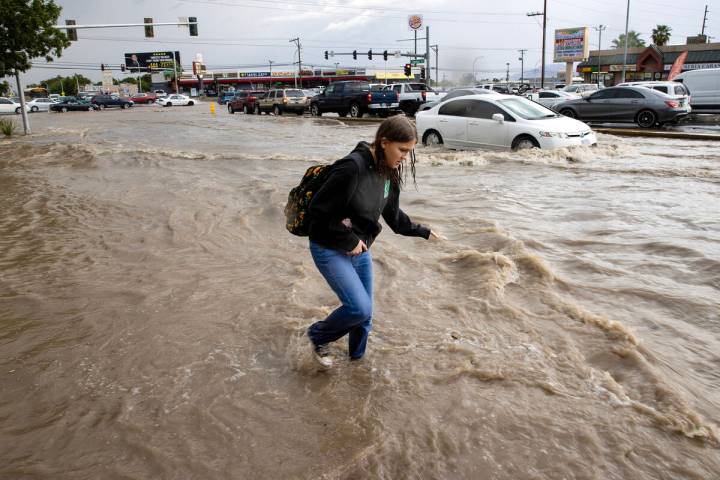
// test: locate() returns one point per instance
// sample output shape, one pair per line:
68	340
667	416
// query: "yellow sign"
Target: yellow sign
390	76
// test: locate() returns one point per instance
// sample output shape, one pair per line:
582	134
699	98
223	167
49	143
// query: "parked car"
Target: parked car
355	98
244	101
704	89
412	95
582	89
54	97
160	93
143	98
548	98
457	92
281	101
8	105
646	107
675	89
225	97
40	104
108	101
73	104
499	122
175	99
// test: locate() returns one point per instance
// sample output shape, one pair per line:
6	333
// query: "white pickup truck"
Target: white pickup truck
412	95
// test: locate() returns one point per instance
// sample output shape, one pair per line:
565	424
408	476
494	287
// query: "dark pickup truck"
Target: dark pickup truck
355	98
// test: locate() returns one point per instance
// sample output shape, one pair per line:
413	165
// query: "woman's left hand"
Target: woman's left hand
435	236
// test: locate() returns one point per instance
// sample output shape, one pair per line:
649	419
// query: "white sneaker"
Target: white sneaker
321	354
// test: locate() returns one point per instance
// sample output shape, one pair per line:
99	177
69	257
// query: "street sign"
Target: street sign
397	53
417	61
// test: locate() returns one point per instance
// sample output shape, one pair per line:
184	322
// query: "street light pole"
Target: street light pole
600	29
627	20
474	77
522	64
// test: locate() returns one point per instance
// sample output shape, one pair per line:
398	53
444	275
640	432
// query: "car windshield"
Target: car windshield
294	93
526	109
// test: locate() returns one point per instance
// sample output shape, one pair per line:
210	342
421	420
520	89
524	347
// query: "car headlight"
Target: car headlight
553	134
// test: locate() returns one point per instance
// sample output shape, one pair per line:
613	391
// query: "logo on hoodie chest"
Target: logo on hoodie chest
387	189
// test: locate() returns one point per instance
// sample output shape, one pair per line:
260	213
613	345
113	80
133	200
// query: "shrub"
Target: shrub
7	127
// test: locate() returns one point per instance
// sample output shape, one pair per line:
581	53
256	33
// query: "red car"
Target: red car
244	101
144	98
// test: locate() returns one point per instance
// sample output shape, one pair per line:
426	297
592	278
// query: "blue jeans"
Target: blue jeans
351	278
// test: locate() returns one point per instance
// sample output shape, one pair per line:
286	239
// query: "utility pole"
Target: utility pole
435	48
627	20
702	32
544	15
599	29
507	72
296	40
428	75
522	64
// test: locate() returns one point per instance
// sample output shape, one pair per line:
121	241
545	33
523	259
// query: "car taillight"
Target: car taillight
672	103
251	99
369	97
424	95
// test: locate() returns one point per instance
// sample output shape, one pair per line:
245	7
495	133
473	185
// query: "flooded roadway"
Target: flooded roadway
152	308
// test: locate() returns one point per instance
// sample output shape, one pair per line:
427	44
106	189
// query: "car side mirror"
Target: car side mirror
498	117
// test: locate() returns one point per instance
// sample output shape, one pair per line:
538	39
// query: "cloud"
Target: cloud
347	25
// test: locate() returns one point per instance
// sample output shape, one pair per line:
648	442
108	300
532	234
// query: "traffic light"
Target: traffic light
71	32
326	54
408	69
354	54
102	67
369	54
385	55
193	26
422	73
149	33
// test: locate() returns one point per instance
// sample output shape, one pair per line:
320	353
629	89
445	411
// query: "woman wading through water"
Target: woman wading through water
343	218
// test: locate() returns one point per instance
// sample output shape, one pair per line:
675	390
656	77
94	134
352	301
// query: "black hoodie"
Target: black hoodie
348	206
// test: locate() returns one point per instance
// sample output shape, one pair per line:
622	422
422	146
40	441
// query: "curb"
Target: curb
628	132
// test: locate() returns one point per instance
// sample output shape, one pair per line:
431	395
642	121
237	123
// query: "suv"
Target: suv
279	101
675	89
244	101
106	101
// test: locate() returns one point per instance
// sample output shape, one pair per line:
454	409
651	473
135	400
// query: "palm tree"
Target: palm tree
634	40
661	35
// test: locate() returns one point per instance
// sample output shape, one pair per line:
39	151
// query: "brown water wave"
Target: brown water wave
154	308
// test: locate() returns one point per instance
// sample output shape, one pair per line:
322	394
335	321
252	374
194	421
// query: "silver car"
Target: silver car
648	108
40	104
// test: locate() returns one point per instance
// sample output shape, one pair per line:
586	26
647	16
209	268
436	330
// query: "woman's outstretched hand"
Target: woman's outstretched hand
359	248
436	236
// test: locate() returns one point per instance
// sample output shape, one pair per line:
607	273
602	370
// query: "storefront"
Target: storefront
646	63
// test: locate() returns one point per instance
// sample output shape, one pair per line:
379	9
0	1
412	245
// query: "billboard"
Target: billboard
571	44
150	61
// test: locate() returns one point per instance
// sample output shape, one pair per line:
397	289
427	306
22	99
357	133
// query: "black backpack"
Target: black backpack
296	209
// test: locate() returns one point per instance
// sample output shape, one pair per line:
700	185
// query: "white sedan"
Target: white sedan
8	105
499	122
175	99
40	104
548	98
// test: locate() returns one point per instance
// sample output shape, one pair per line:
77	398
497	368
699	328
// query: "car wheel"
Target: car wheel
102	106
123	106
230	109
568	113
168	104
17	110
432	138
646	119
34	108
355	111
191	103
524	142
277	111
315	110
257	110
245	110
63	109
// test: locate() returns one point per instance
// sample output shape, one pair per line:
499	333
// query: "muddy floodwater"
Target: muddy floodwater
153	307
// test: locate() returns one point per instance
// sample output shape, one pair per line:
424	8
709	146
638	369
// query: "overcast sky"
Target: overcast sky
252	32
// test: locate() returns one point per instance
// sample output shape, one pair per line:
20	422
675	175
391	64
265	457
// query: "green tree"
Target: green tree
634	40
146	82
661	35
5	89
27	31
67	84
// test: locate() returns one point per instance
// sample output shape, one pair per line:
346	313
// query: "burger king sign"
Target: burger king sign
415	21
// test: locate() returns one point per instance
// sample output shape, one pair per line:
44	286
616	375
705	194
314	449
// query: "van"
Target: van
704	87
